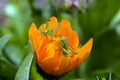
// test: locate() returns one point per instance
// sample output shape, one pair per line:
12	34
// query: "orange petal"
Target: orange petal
83	53
75	62
50	51
73	40
65	63
64	29
85	50
46	63
34	36
53	22
49	62
43	49
50	66
42	27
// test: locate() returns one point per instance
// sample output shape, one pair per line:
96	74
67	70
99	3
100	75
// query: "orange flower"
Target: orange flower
57	47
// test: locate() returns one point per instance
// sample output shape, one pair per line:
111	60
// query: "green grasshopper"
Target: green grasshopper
65	47
49	31
63	41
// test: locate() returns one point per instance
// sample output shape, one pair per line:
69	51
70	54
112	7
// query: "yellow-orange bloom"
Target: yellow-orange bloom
57	47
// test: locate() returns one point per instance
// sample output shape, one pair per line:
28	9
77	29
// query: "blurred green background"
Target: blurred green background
99	19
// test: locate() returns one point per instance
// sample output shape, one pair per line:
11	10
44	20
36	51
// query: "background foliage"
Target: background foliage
99	19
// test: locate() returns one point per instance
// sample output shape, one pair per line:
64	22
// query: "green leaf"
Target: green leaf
105	54
7	70
24	69
70	75
98	17
103	78
34	75
3	41
14	53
